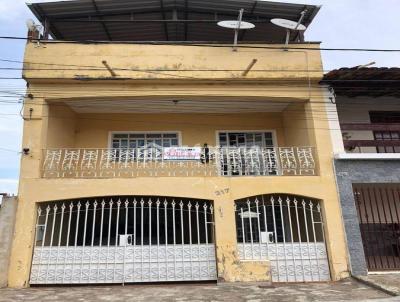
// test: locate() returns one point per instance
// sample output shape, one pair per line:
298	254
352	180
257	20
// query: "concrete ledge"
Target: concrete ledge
367	156
392	291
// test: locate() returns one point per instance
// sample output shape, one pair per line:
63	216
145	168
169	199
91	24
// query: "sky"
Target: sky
339	24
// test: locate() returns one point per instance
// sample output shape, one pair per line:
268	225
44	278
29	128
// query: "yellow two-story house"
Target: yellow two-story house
159	146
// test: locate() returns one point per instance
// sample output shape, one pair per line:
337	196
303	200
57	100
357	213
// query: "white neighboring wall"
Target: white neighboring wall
356	110
333	122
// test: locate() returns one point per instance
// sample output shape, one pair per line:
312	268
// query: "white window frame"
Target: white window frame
111	133
274	137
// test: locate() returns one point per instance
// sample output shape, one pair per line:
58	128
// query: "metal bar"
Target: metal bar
397	216
163	16
101	235
295	202
186	19
189	205
182	240
291	237
108	234
198	236
308	238
251	13
207	21
150	203
380	226
174	234
206	235
243	232
101	20
235	41
71	206
51	241
92	240
276	237
249	67
60	236
366	246
377	239
126	238
266	226
84	240
134	240
283	237
251	229
158	237
259	227
76	238
382	201
166	237
315	239
141	238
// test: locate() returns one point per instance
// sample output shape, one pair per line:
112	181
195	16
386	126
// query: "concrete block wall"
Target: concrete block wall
7	220
356	171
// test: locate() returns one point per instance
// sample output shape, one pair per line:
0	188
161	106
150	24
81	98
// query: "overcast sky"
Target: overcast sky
340	24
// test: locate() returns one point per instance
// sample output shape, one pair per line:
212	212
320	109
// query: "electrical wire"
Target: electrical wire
198	45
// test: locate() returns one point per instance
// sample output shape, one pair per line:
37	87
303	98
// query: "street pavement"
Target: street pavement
345	290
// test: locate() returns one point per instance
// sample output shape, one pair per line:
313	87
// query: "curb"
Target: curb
376	286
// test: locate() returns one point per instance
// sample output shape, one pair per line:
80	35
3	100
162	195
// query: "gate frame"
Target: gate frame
210	205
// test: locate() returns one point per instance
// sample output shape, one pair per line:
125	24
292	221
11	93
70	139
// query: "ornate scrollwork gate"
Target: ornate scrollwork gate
286	230
124	239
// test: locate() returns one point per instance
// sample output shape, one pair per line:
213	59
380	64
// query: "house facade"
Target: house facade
368	164
161	161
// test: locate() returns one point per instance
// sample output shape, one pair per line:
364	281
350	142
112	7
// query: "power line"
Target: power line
199	45
9	150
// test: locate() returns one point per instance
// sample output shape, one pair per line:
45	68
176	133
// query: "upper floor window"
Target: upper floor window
246	139
134	140
386	117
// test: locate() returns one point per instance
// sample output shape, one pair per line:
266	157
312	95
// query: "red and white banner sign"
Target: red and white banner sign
182	153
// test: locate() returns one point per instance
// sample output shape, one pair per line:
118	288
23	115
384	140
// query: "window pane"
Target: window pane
170	135
120	135
135	135
154	135
174	142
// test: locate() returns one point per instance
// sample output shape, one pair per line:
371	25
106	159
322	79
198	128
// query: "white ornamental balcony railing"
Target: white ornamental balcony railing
178	161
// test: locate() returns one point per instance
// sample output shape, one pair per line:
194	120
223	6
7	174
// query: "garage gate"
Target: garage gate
124	239
286	230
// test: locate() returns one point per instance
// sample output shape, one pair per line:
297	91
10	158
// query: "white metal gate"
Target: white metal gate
288	232
125	239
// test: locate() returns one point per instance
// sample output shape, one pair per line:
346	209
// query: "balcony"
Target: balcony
157	161
371	138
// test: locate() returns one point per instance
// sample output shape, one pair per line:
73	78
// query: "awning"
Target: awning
166	20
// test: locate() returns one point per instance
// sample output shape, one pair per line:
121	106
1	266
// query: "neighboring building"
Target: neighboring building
173	159
368	167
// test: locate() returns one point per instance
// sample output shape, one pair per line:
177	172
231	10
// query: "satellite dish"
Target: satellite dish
288	24
234	24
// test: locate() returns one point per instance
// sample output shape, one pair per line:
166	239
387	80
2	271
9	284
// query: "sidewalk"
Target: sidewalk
389	283
345	290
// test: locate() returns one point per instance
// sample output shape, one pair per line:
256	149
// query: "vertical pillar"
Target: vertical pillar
34	139
320	137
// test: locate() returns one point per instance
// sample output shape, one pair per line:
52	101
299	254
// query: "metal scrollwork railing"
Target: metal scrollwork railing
155	162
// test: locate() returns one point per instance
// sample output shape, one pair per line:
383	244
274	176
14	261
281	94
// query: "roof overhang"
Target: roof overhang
166	20
373	81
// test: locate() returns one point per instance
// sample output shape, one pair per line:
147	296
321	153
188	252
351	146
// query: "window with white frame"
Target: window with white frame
246	139
137	140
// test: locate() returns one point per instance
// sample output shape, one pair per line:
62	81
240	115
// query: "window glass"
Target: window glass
136	140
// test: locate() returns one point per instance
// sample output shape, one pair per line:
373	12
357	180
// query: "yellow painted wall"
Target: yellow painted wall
170	61
59	85
196	129
61	127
